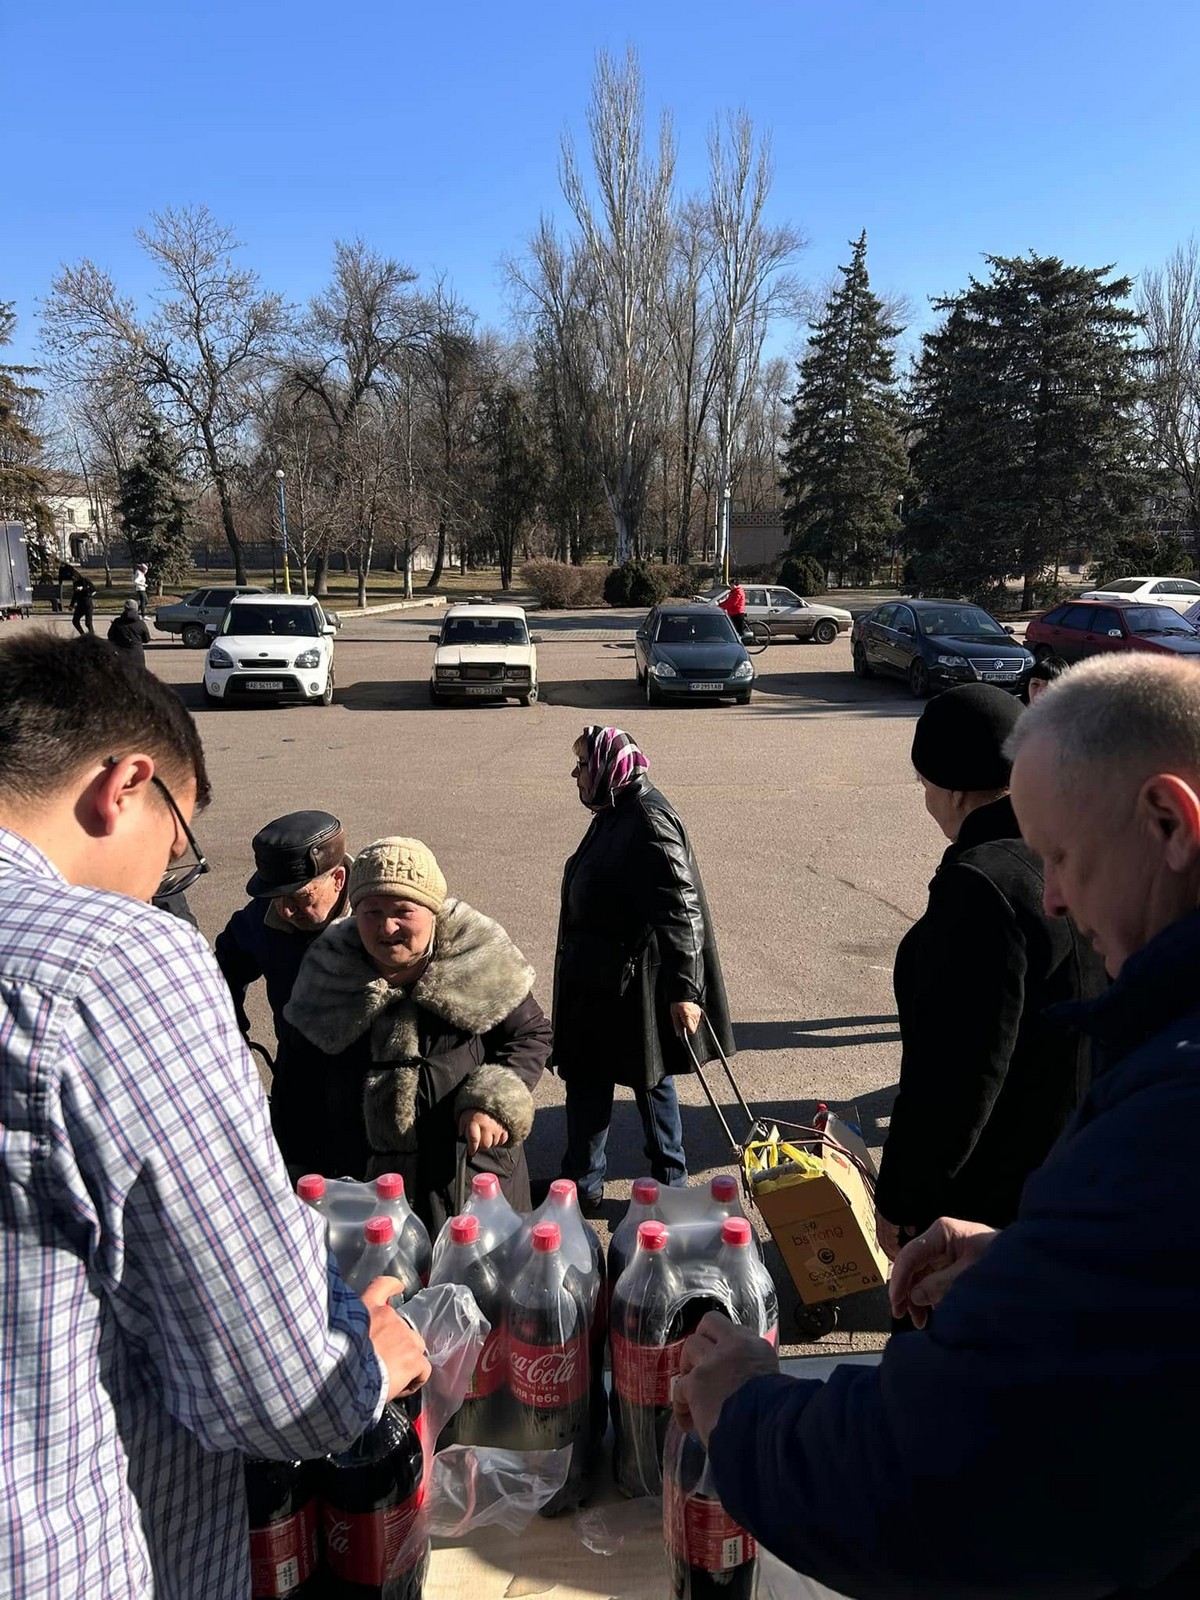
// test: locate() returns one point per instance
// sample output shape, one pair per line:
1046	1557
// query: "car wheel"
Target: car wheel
862	667
825	631
530	698
918	679
743	698
435	698
193	636
327	697
651	691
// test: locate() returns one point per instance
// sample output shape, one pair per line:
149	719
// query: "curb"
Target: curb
391	605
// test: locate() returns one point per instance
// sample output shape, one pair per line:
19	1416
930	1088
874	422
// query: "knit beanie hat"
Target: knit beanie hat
131	606
403	867
960	737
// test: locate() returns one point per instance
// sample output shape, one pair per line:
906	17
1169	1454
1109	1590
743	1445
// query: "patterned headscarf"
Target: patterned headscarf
613	763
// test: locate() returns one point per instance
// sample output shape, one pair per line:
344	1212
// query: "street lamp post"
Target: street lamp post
287	575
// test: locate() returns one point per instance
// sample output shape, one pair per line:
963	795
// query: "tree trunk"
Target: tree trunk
364	567
1027	592
439	559
408	570
320	583
232	538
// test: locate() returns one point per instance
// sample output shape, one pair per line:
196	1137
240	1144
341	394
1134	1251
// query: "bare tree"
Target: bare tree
1169	300
197	355
602	294
749	285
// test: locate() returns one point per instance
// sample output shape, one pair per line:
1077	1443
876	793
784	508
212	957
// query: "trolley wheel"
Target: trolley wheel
814	1322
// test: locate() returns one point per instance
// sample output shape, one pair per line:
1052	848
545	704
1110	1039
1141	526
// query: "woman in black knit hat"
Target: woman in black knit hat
987	1080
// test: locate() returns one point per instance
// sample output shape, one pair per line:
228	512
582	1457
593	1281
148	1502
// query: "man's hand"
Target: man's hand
686	1015
888	1234
397	1343
927	1266
717	1359
481	1131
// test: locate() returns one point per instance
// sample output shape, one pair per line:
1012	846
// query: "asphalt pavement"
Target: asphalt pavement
803	808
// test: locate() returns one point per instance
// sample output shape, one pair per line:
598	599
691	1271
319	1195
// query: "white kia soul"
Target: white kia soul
271	647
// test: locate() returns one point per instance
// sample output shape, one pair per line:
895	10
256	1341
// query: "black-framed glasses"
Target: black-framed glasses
180	875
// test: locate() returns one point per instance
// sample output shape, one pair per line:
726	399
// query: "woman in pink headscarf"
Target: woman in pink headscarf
636	967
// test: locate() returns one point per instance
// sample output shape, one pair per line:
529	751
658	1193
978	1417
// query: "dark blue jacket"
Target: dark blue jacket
249	948
1043	1438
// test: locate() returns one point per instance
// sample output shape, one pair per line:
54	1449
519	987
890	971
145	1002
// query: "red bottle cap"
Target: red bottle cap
645	1192
380	1230
464	1230
389	1186
652	1236
564	1191
723	1188
311	1187
735	1230
486	1185
547	1237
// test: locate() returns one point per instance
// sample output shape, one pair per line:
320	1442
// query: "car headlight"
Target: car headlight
309	658
446	672
516	672
663	669
952	661
218	657
742	670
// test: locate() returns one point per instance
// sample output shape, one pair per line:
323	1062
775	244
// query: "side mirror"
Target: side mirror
1007	629
210	629
1114	633
536	638
329	628
434	637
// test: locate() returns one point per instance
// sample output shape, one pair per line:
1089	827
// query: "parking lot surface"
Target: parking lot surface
805	815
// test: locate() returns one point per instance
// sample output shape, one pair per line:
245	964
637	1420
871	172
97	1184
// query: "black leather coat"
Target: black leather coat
634	936
987	1080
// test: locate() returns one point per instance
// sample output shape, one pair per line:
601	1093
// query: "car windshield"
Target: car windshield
1121	586
289	621
484	630
959	622
1157	619
690	629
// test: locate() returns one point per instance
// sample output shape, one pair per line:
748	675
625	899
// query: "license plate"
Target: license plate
998	677
707	688
481	688
264	683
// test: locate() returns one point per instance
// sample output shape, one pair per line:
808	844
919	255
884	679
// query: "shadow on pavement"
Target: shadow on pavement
825	1034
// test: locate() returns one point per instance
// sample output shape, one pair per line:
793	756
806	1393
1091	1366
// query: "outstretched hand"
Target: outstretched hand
926	1267
718	1358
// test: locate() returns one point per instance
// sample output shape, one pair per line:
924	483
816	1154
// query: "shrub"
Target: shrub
590	585
803	574
556	584
616	585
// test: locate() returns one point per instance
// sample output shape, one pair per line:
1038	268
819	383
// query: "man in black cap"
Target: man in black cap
297	890
987	1080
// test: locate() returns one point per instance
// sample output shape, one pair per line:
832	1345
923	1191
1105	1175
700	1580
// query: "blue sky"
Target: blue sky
947	129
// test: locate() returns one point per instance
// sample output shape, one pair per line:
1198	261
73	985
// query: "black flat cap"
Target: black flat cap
960	736
293	850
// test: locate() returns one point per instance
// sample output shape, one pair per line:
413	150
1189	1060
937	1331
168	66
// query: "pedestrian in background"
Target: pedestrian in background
1041	675
637	965
83	600
987	1079
139	588
129	634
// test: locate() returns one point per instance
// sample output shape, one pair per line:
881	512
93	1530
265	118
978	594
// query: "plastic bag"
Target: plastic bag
475	1487
348	1206
710	1556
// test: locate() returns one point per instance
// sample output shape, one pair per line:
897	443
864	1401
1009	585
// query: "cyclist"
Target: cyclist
734	606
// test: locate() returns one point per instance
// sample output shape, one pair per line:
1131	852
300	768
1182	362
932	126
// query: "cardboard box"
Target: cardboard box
825	1227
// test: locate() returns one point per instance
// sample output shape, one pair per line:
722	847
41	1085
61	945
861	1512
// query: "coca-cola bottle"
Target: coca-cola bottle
753	1301
377	1258
499	1224
586	1275
281	1500
711	1557
482	1419
413	1249
547	1363
643	1207
374	1545
727	1202
647	1343
311	1189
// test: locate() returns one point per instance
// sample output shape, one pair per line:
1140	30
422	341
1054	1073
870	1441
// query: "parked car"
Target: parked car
686	651
786	613
484	652
936	644
1090	627
271	647
188	617
1178	593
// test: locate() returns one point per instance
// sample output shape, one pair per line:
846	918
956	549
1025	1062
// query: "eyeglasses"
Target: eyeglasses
180	875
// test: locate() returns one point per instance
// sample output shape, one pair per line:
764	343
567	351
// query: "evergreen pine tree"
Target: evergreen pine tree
22	483
844	464
1027	434
153	514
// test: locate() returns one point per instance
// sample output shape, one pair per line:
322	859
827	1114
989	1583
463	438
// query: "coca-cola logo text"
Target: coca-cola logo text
548	1377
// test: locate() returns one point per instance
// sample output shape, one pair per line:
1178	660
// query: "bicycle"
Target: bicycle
756	636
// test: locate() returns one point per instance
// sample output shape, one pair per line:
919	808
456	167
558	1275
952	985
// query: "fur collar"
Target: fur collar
476	978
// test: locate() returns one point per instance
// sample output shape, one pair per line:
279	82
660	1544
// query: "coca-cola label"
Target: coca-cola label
701	1533
490	1368
365	1546
642	1373
283	1555
548	1377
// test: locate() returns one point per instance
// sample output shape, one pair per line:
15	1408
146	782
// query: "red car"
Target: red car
1095	627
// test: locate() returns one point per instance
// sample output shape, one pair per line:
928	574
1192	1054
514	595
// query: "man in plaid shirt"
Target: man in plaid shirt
167	1305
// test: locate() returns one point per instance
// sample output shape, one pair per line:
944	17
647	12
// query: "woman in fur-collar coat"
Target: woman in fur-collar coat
412	1026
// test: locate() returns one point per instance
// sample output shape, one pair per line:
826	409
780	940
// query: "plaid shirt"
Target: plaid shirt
166	1303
